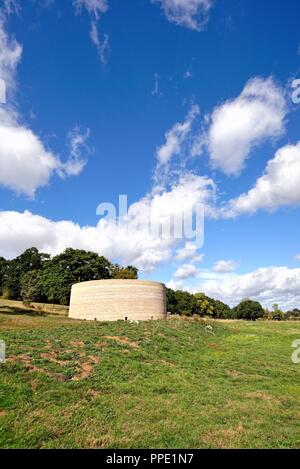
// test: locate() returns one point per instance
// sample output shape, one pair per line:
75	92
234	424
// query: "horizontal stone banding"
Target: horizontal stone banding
112	300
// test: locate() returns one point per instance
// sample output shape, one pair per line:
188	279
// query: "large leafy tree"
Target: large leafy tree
52	281
206	308
82	265
249	310
181	302
30	260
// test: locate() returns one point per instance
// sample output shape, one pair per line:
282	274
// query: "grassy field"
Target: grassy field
17	307
73	384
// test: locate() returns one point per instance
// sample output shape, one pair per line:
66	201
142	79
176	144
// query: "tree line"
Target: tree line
36	277
188	304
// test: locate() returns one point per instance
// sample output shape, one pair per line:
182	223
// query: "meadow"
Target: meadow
158	384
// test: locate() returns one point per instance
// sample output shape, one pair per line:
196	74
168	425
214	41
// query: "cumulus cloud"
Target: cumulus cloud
224	267
189	252
185	271
175	285
132	240
192	14
25	163
268	285
238	125
95	8
297	257
277	187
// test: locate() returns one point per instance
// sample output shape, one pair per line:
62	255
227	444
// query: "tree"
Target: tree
82	265
31	259
204	303
186	303
249	310
172	301
294	314
213	308
277	314
128	272
72	266
32	287
3	268
221	310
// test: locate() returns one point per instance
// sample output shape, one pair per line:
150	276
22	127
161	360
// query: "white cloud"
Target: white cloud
192	14
189	252
268	285
101	46
77	146
277	187
10	7
10	55
223	267
176	137
156	91
95	8
129	243
297	257
185	271
237	126
175	285
25	163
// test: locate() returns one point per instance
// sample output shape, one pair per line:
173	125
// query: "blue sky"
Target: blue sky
170	102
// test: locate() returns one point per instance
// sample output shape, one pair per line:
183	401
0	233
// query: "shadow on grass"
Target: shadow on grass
13	311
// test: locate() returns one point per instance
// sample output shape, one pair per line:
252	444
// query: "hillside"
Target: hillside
158	384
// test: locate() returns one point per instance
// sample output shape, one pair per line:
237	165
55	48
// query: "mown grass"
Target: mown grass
165	384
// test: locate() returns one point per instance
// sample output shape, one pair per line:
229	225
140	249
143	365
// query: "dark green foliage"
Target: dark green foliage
294	314
181	302
220	310
33	276
171	301
249	310
184	303
3	268
31	259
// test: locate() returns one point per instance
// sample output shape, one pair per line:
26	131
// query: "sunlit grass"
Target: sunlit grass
154	384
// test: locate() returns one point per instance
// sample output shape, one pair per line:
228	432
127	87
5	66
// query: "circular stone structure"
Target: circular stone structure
113	300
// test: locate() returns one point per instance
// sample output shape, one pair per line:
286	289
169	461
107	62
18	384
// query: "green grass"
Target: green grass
166	384
39	309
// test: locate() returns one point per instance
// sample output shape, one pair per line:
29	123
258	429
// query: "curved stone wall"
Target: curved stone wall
112	300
